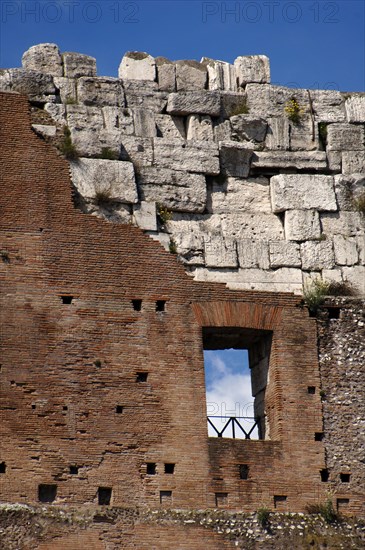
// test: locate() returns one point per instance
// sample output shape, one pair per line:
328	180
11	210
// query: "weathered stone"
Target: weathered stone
220	252
170	127
253	253
144	95
43	130
355	108
355	276
302	191
284	254
192	156
332	275
118	120
348	189
246	127
300	160
360	241
235	159
43	58
266	100
177	190
345	250
190	76
85	124
245	225
345	137
67	89
277	136
343	223
328	105
222	130
100	91
138	150
233	103
166	74
57	112
317	255
186	103
39	87
302	225
199	127
137	66
144	123
145	215
304	135
353	162
252	68
77	64
240	195
334	160
114	178
221	75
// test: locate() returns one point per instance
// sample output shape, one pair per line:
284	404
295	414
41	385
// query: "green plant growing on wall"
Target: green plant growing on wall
164	215
172	246
103	195
314	294
4	255
359	203
70	100
322	133
324	509
66	146
108	154
241	109
293	110
263	517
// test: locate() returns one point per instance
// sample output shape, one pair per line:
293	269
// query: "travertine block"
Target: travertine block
343	223
266	100
144	123
86	126
170	126
199	127
300	160
233	103
118	120
317	255
77	64
328	105
304	135
219	251
100	91
138	150
355	108
221	75
144	94
240	195
166	74
332	275
302	192
222	130
355	276
334	160
39	87
284	254
57	112
145	215
192	156
177	190
112	177
67	89
43	130
252	68
253	253
246	127
186	103
190	75
345	250
302	225
277	136
137	66
360	241
348	189
353	162
43	58
235	159
345	137
245	225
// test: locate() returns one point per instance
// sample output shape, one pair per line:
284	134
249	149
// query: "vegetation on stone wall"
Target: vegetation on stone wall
66	146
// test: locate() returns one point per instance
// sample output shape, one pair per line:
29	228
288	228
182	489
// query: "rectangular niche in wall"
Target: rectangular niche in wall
47	492
104	495
236	362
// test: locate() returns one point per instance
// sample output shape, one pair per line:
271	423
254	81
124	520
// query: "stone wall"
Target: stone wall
262	184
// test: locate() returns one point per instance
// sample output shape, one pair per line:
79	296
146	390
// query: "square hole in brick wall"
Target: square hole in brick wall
74	470
151	468
165	497
324	475
280	502
160	305
342	504
104	495
119	409
318	436
67	299
137	305
2	467
334	312
311	390
169	468
221	499
345	478
47	492
243	470
141	376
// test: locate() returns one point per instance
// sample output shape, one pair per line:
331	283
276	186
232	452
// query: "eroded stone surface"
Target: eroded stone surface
302	225
252	68
192	156
302	191
137	66
43	58
355	108
317	255
77	64
203	103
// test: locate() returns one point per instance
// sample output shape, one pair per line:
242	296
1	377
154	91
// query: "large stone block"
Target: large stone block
144	95
345	250
144	123
57	112
299	160
100	91
86	125
302	225
355	108
66	88
186	103
247	225
219	251
277	136
266	100
118	121
348	189
328	105
317	255
222	130
353	162
302	192
177	190
77	64
221	75
240	195
137	66
39	87
188	236
233	103
345	137
343	223
166	74
235	159
199	127
145	215
137	150
190	76
114	178
190	156
355	276
252	68
253	253
43	58
304	135
172	127
247	128
284	254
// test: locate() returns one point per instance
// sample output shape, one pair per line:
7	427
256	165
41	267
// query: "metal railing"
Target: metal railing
233	422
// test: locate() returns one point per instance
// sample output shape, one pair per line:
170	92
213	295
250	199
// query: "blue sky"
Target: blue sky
311	44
